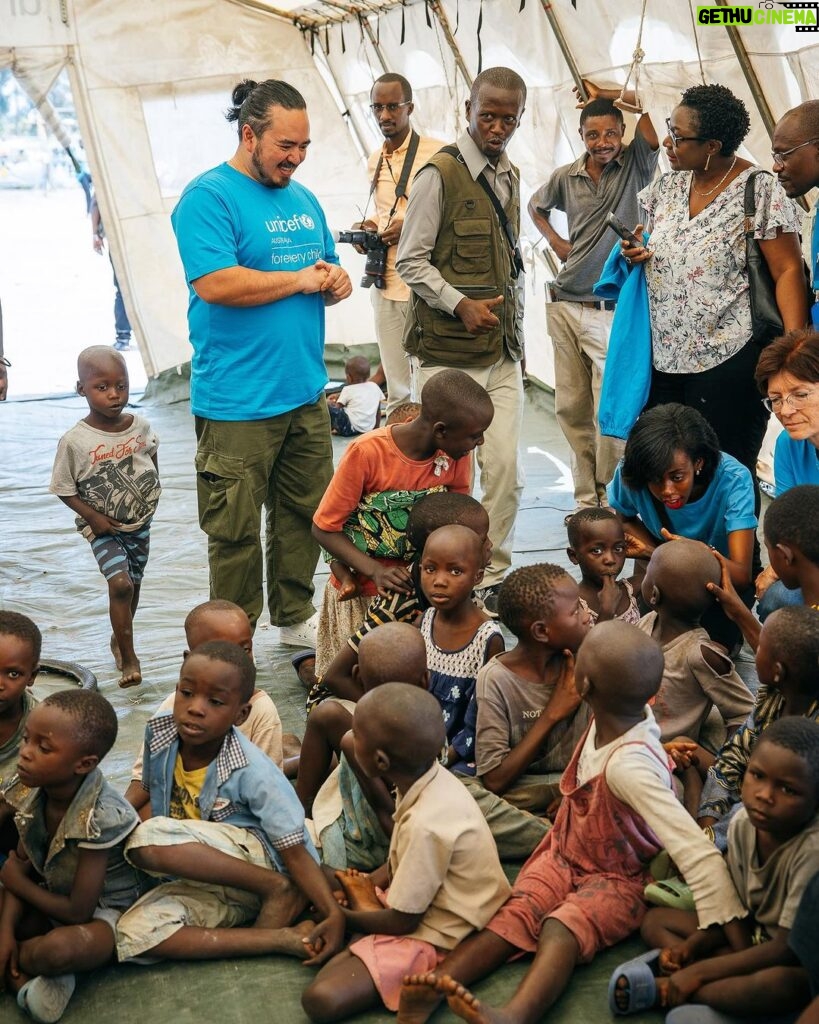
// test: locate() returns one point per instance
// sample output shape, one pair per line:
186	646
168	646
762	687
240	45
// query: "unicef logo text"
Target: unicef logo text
301	220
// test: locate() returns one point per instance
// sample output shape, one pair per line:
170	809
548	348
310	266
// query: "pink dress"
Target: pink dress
589	871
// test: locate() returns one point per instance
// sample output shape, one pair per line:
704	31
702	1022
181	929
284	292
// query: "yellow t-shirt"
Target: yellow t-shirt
185	790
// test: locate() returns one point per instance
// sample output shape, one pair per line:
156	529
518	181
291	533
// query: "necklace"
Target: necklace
721	180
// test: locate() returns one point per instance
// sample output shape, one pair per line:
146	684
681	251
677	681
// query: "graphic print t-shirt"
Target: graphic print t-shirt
113	473
187	786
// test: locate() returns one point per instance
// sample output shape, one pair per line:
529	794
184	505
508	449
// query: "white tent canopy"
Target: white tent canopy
151	81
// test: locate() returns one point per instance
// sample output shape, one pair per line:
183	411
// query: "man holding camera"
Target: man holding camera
459	255
389	168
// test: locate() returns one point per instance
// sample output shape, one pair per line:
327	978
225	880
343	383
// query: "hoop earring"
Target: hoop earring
707	164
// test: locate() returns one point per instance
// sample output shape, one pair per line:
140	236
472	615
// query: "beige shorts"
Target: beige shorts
182	903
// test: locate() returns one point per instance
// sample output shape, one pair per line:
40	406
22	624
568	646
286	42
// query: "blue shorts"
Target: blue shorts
123	552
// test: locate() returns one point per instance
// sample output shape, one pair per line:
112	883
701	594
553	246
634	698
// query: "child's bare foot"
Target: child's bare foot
131	674
283	905
468	1007
418	998
348	590
115	652
290	941
359	890
622	993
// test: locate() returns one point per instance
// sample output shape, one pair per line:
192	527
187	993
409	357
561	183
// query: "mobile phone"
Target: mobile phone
620	228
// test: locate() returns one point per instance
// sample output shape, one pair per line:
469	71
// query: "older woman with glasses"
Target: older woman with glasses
702	350
788	375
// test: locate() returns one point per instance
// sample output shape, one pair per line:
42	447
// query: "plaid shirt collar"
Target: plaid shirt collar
230	758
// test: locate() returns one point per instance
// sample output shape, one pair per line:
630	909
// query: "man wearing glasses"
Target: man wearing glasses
607	177
391	106
795	156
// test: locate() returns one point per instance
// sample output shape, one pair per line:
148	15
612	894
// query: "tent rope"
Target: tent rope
636	61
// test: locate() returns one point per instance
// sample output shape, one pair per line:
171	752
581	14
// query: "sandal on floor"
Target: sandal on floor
670	892
641	992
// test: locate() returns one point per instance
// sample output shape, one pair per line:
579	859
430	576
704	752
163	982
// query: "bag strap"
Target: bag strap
750	202
514	248
406	170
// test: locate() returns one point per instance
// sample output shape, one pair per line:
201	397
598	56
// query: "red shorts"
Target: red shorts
599	910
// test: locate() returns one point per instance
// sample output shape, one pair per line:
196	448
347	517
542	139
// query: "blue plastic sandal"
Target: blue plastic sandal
641	993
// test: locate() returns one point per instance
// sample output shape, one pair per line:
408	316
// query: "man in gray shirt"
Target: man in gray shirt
607	177
458	254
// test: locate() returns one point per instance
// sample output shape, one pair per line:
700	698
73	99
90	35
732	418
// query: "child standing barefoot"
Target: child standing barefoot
106	471
459	637
444	878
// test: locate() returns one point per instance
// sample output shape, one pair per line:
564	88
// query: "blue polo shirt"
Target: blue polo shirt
252	362
726	506
795	462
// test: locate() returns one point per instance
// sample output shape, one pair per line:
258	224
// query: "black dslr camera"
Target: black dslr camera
376	251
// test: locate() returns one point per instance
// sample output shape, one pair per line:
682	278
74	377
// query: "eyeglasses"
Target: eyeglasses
677	139
391	108
780	158
796	400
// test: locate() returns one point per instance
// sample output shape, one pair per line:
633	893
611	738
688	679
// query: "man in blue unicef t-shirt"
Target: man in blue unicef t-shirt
261	267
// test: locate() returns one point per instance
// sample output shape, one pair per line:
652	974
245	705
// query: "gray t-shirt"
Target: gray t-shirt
586	205
508	706
113	473
772	891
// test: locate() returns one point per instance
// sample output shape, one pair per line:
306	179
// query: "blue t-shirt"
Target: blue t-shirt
795	462
252	362
727	505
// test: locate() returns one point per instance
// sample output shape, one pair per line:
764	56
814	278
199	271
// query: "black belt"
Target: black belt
604	304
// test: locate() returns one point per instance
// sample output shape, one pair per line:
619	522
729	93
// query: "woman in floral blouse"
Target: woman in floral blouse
703	354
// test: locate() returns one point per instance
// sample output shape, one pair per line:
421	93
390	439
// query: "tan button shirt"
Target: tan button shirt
443	861
388	177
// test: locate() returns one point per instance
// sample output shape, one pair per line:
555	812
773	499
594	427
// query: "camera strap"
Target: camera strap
514	249
406	170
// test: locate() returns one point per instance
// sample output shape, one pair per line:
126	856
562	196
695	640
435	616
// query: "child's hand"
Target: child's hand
9	951
682	753
326	939
725	593
565	699
673	959
15	870
635	547
682	985
391	578
764	580
609	598
101	524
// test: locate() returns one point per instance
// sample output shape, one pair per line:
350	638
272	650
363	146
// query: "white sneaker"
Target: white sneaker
45	999
300	634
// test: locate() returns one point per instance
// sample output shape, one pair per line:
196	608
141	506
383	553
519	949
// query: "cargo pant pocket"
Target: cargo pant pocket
227	511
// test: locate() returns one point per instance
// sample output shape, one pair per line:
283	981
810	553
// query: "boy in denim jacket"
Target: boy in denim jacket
227	830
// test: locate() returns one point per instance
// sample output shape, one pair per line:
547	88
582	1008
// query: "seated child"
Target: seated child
460	638
347	580
439	508
530	716
221	620
791	532
443	878
787	663
698	674
106	471
64	889
227	828
20	644
597	543
773	852
361	520
582	889
357	407
352	815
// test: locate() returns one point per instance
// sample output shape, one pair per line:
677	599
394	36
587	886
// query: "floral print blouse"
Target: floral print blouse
697	282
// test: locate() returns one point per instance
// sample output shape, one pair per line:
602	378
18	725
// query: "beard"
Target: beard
262	174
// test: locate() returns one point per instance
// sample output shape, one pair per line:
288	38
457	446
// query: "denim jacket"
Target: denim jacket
98	818
242	787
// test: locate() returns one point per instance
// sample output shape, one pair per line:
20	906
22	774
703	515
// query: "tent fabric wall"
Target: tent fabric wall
152	79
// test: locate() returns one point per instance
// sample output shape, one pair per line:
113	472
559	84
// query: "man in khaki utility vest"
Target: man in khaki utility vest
458	253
